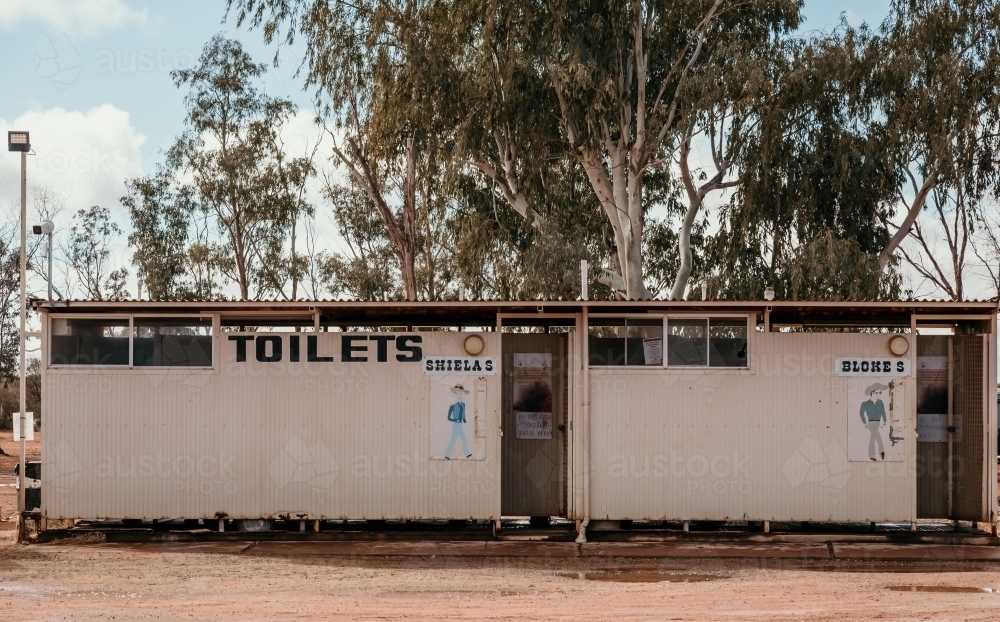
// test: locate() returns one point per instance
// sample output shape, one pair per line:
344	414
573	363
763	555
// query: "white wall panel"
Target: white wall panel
765	443
253	439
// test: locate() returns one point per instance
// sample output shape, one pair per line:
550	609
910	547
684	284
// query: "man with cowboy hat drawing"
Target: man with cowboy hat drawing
873	415
456	414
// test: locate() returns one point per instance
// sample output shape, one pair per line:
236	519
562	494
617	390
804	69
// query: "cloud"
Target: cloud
82	157
82	18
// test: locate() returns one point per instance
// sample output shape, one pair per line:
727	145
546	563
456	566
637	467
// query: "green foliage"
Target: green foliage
10	284
242	177
161	215
88	253
365	271
816	177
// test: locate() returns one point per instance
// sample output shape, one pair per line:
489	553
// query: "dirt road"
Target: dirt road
228	581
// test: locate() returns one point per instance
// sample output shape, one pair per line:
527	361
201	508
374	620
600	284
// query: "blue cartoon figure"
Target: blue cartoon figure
873	415
456	415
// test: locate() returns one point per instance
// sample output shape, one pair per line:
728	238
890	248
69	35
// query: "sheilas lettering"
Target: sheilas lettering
473	366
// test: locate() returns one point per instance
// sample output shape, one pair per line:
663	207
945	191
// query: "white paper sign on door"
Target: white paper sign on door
534	426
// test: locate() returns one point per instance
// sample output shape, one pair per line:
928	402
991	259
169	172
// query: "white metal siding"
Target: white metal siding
250	440
768	443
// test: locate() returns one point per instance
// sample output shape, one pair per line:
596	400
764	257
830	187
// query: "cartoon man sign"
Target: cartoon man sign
873	415
456	415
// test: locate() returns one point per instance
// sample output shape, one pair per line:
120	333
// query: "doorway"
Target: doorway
951	424
534	442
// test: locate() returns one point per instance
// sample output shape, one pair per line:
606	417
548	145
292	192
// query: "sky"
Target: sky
90	79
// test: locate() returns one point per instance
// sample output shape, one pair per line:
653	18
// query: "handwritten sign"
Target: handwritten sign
534	426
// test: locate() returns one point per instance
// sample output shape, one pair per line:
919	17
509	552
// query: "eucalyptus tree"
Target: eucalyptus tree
362	61
818	182
935	85
364	270
630	79
986	247
610	86
170	262
619	88
240	177
88	254
947	215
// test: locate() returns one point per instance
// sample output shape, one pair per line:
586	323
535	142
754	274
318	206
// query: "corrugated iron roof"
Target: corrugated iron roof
485	312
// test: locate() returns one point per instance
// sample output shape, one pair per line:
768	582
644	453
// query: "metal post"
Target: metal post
21	506
951	424
585	424
49	253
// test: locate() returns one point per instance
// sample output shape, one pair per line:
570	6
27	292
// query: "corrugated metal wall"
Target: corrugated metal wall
765	443
250	440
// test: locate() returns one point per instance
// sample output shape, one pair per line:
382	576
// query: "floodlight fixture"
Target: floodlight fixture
18	141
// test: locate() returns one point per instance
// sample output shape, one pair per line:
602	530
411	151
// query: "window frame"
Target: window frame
89	316
749	318
708	317
131	367
215	322
625	317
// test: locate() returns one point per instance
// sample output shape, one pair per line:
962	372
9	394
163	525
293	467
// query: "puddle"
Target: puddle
919	568
960	589
640	576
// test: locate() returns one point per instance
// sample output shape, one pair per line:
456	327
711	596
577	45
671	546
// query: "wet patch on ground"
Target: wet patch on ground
955	589
626	575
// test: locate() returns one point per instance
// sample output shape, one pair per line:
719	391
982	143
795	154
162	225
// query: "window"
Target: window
172	342
634	342
727	342
89	342
706	342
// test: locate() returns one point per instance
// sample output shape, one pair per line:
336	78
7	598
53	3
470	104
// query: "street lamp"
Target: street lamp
46	228
21	142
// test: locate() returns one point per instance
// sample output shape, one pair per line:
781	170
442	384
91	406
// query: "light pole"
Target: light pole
19	141
46	227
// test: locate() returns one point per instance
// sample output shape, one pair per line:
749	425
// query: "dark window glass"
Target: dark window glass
636	342
727	342
607	342
644	342
687	342
89	342
172	342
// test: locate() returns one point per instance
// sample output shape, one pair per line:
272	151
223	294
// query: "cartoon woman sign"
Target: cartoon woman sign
456	415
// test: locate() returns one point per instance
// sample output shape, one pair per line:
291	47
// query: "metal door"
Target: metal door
533	470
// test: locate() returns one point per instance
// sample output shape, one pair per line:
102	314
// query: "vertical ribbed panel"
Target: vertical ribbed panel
970	376
339	440
765	443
